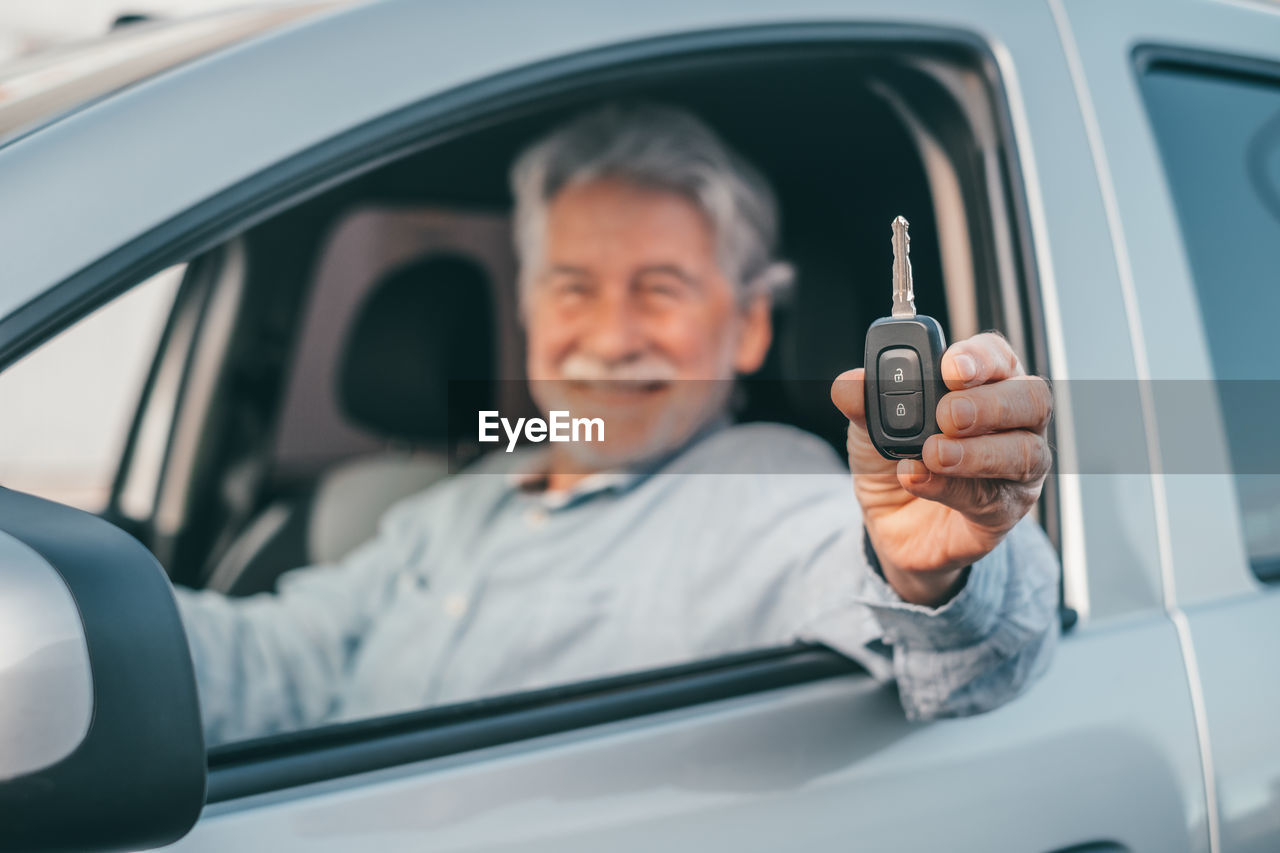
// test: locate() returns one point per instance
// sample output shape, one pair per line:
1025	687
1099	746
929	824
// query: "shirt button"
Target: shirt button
455	605
535	517
409	583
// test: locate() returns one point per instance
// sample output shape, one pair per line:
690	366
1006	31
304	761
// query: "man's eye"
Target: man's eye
662	289
571	288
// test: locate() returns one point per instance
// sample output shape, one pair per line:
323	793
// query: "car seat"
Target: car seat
419	355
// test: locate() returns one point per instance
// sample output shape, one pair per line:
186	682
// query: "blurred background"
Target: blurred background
27	26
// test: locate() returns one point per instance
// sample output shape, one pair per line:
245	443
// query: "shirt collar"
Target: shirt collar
531	477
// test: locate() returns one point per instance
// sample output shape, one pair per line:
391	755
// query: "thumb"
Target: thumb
847	393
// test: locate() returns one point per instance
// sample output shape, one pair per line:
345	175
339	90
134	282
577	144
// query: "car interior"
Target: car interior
329	360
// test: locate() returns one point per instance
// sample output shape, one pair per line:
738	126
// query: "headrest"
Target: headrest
427	324
818	334
842	287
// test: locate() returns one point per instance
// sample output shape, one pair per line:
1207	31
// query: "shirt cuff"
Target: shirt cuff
968	618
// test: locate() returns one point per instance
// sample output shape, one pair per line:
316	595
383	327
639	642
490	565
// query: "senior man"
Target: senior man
647	271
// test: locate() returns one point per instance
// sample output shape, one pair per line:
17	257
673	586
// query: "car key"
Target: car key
903	364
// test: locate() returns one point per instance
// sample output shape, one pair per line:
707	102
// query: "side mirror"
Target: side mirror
100	739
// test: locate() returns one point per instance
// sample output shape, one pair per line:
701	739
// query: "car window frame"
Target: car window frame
191	360
253	767
1208	65
1226	519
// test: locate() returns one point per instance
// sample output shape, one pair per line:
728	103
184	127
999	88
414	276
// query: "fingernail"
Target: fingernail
963	413
949	453
966	367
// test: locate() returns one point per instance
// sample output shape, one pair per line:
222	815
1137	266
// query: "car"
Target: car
193	239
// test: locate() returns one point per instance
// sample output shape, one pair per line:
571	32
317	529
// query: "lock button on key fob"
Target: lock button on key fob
903	414
903	361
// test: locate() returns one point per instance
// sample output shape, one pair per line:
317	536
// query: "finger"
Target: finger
912	475
1016	455
996	503
1023	402
978	360
847	393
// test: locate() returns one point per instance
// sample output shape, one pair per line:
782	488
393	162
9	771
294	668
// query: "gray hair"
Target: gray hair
655	146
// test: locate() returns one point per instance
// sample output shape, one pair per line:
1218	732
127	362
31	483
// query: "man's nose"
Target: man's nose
614	332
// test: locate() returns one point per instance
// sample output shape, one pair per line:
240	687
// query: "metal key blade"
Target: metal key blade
904	296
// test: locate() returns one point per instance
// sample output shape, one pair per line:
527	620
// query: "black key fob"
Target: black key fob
903	383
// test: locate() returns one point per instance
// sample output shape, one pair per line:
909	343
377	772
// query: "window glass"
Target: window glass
404	580
68	405
1219	136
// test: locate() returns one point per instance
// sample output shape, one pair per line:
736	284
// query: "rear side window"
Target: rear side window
1219	138
68	405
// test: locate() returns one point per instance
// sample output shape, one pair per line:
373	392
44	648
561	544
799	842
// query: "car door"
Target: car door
791	748
1189	130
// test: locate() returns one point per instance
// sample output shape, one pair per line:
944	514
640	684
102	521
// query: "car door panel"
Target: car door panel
1235	642
1232	621
1148	242
1096	752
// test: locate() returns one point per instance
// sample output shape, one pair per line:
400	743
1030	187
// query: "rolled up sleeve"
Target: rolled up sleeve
986	644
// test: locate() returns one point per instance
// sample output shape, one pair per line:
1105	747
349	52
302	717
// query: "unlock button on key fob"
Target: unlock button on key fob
899	371
902	414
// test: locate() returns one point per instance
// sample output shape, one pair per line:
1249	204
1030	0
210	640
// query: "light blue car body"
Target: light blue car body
1153	730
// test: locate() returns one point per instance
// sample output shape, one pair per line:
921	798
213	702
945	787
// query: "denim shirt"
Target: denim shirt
750	537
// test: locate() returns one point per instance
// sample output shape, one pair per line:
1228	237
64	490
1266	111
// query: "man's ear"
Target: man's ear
755	336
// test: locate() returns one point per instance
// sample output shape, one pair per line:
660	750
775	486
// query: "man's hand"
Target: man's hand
930	518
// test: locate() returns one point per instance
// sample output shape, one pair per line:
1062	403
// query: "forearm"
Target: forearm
275	661
253	677
985	644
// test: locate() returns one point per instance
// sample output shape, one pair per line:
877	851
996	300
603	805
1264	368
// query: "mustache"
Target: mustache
648	368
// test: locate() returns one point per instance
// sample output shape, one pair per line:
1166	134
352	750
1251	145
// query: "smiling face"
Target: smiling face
630	318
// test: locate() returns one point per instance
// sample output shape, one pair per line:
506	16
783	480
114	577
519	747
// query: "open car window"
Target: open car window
434	228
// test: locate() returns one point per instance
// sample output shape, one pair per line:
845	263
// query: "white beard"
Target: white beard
694	403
